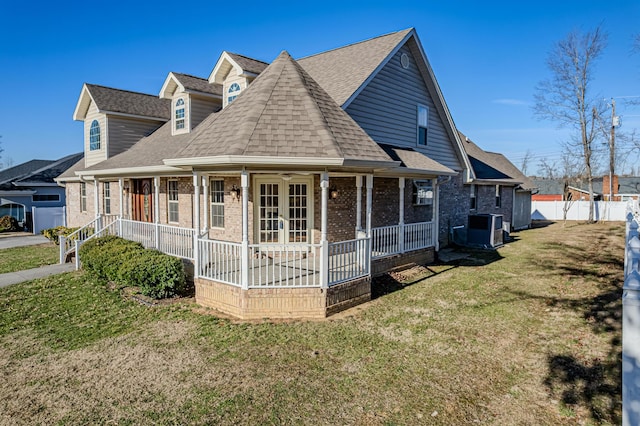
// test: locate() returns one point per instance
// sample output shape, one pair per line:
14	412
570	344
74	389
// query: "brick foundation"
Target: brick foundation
417	257
281	303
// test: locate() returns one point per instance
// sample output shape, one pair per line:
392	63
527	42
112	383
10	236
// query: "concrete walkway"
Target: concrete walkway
29	274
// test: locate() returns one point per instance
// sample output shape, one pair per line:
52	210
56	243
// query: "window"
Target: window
234	91
172	201
423	192
217	204
498	196
106	195
45	197
180	114
83	196
423	120
94	136
474	197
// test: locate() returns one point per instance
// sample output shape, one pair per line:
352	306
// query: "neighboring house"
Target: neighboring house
298	180
561	189
498	187
32	184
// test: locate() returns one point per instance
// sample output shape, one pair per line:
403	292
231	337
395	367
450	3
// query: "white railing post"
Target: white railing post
62	251
205	216
369	203
401	236
77	243
156	209
324	250
244	263
196	223
358	206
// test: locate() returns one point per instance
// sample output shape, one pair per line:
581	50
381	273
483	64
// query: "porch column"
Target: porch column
96	197
156	208
324	253
369	203
121	190
196	224
436	215
358	205
205	191
401	214
244	183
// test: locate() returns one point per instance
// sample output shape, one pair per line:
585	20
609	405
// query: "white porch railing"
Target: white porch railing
220	261
349	260
140	232
284	265
172	240
395	239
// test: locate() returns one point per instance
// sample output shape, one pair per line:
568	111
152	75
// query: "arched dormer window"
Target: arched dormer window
94	136
180	114
234	91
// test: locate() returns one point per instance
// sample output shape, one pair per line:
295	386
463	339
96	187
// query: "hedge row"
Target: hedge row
54	234
125	262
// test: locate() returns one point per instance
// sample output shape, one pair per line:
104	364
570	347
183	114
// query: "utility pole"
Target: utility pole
612	144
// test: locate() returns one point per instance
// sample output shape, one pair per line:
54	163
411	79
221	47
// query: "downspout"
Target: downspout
436	210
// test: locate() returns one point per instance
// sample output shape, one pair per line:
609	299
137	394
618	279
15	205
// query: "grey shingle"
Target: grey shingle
284	113
342	71
249	64
21	170
126	102
412	159
49	172
198	84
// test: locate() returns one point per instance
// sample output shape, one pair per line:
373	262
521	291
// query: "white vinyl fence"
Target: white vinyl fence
579	210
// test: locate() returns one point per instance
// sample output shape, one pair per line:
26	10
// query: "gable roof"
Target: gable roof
242	64
116	101
342	71
190	84
415	161
283	114
494	168
37	172
21	170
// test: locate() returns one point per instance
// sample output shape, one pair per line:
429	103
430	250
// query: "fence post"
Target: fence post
77	243
631	349
63	243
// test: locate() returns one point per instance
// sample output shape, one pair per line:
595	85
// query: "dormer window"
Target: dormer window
94	136
234	91
180	114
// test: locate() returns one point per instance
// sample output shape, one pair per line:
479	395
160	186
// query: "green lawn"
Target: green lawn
20	258
529	334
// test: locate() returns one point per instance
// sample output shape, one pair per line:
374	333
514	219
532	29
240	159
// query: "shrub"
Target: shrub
8	224
54	234
156	274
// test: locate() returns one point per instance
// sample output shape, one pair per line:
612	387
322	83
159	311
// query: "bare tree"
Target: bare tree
547	169
524	166
566	97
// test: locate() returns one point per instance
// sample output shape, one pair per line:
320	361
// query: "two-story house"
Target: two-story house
289	184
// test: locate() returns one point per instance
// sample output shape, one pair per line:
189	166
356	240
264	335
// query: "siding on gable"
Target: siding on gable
98	155
229	79
124	132
387	110
201	108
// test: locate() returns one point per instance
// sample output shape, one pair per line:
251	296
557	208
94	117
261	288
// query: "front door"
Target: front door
142	202
284	210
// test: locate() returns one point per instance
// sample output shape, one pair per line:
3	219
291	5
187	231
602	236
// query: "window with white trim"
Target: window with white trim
217	203
173	207
473	196
94	136
106	196
233	92
83	196
179	114
423	121
498	196
423	192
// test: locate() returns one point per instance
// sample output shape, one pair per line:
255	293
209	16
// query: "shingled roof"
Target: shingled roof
49	172
491	166
249	64
198	84
21	170
112	100
283	114
416	161
342	71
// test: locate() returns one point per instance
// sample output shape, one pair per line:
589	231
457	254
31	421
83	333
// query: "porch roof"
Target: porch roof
284	115
415	163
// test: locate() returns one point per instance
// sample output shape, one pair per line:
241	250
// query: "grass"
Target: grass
529	334
21	258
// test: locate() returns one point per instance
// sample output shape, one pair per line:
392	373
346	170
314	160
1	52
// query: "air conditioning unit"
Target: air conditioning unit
485	230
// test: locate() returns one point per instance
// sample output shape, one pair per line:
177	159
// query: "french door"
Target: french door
284	210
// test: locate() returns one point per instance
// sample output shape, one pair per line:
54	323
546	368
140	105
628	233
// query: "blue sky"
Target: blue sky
487	57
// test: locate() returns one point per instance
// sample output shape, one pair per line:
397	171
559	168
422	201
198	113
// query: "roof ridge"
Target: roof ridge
192	76
247	57
357	42
123	90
